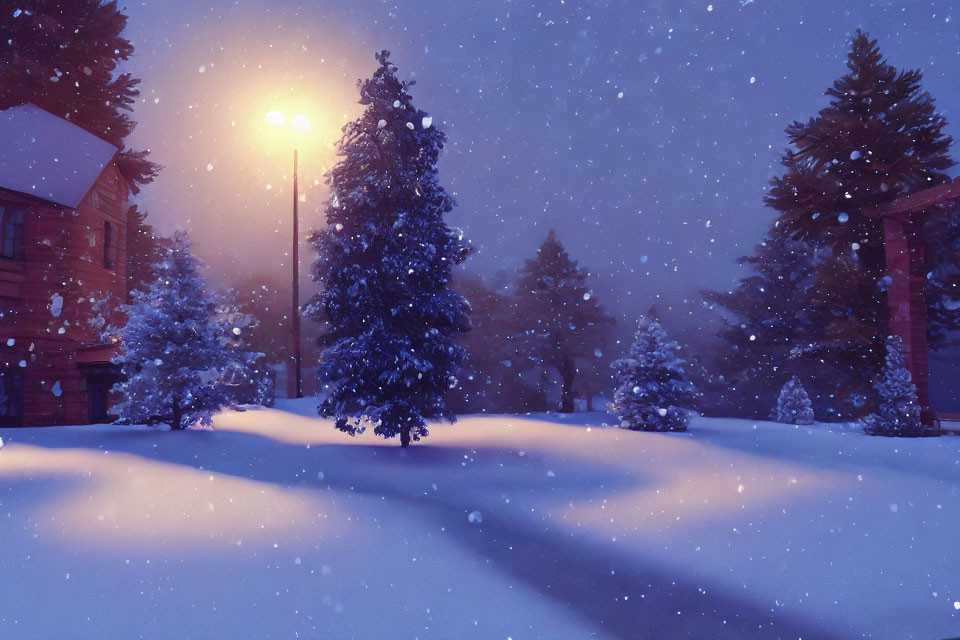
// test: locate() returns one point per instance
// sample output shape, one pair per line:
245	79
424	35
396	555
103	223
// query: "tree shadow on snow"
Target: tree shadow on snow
622	597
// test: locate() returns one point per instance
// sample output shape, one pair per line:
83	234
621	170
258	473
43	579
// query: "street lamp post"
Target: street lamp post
295	317
299	124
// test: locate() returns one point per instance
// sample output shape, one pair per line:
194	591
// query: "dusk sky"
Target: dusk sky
643	132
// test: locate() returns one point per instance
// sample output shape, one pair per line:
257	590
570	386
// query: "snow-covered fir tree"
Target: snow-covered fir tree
793	405
385	261
246	378
181	355
652	388
898	410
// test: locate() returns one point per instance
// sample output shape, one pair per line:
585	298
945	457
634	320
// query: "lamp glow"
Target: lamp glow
274	119
300	123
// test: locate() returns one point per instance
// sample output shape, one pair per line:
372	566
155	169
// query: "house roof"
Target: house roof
48	157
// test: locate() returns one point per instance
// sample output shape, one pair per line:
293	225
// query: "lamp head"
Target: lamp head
300	123
274	119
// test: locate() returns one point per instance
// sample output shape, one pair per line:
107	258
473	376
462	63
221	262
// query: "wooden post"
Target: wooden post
906	300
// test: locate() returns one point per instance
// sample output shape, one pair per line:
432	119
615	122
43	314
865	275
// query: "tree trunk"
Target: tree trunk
567	372
405	437
177	422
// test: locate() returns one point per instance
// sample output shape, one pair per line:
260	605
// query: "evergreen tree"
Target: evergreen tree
144	250
489	380
880	137
652	388
898	413
246	378
385	262
63	55
793	405
267	299
940	237
180	355
562	323
594	375
764	318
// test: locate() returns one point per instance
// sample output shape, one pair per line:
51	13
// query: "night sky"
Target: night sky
644	132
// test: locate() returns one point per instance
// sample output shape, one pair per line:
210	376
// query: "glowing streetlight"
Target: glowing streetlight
299	124
274	119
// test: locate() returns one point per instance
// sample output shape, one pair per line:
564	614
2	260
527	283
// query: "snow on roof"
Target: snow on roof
48	157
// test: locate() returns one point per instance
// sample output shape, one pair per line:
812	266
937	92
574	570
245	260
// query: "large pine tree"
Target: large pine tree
385	262
880	137
562	323
63	56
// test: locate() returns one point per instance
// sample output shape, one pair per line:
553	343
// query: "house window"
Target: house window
108	245
11	398
11	226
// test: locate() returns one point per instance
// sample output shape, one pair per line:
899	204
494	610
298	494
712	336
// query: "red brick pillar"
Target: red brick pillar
907	301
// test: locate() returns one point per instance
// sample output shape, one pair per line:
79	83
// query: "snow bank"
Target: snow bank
276	525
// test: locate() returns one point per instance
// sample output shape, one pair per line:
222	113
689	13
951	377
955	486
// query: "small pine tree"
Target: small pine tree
385	261
246	376
180	357
652	387
793	405
898	413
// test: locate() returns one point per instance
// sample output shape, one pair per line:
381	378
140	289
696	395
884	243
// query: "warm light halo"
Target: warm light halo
274	119
300	123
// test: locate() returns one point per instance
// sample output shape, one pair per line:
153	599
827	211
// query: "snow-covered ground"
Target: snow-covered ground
277	526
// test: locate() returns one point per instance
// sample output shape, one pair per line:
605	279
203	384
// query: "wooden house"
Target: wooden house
63	209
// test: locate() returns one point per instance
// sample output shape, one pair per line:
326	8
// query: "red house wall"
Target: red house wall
63	256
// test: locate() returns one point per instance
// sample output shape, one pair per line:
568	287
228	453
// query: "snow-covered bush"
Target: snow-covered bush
793	405
652	389
898	413
180	353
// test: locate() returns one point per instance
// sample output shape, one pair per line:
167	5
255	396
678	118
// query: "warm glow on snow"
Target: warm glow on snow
126	501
